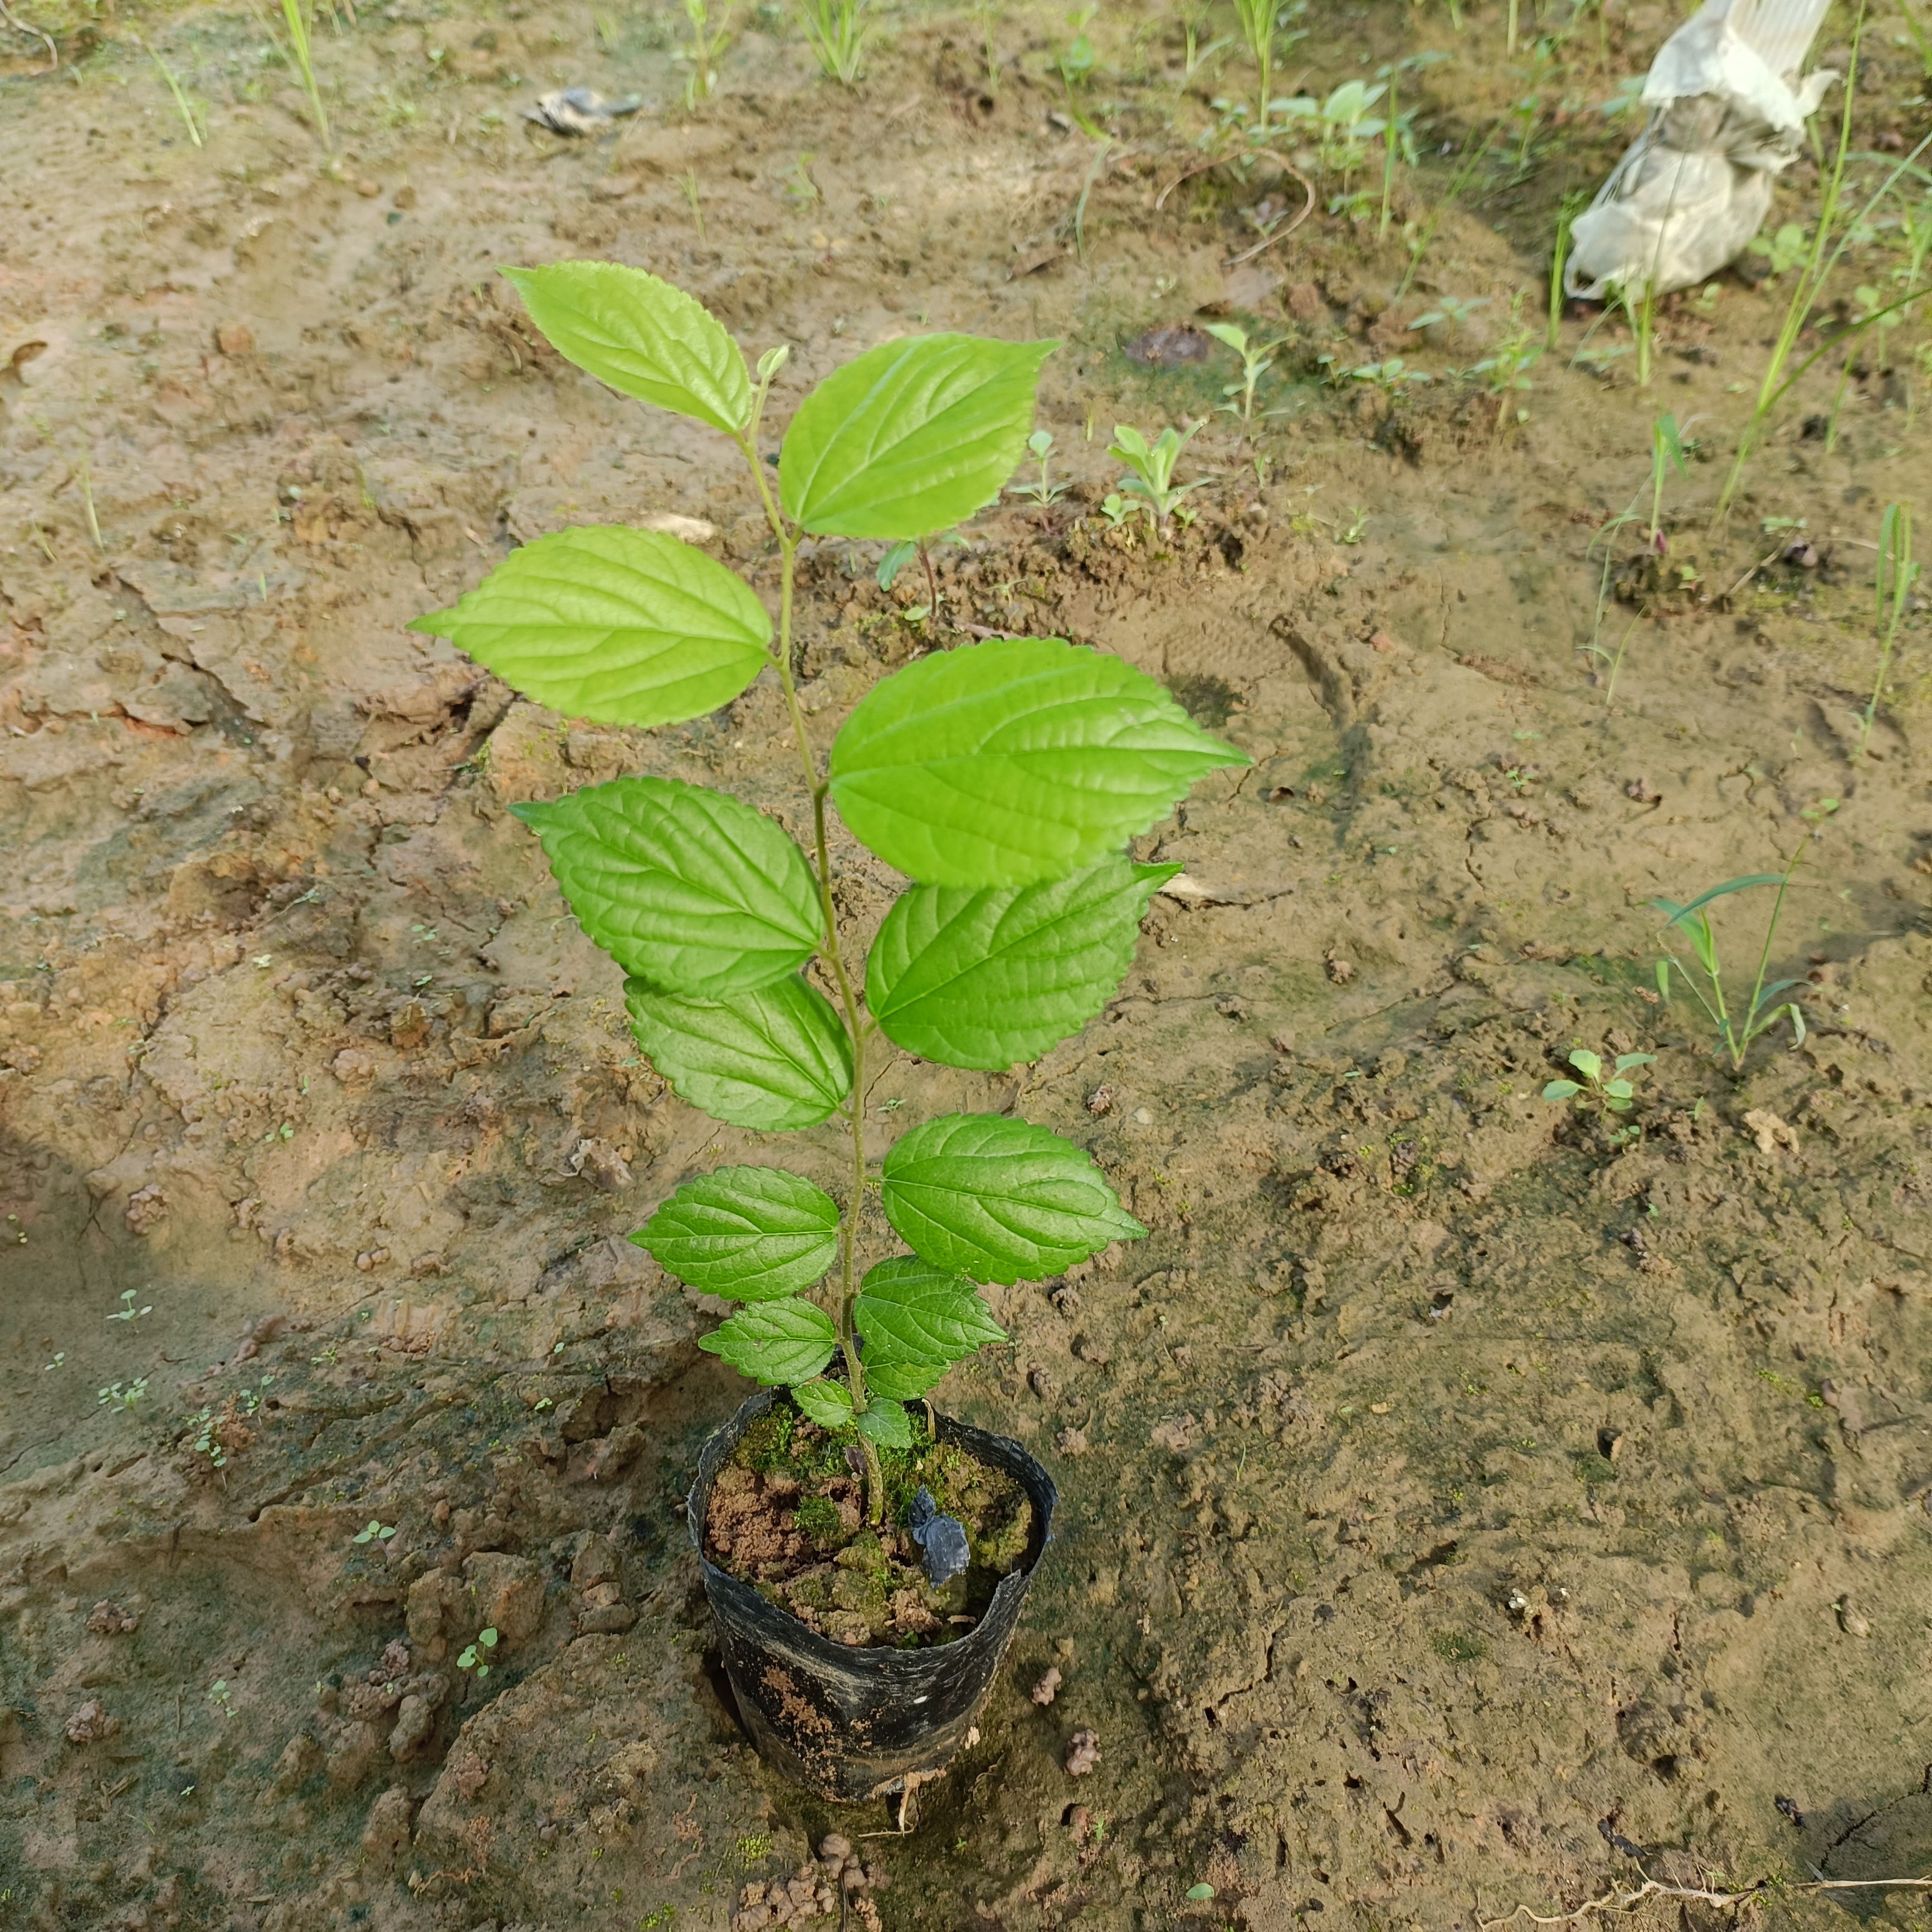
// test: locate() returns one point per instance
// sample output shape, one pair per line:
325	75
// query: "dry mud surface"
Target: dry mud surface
1453	1502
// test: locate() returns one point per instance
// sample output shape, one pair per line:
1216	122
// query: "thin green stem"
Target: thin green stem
1811	279
1752	1028
830	952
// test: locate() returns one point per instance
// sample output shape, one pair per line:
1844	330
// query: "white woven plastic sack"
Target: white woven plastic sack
1727	113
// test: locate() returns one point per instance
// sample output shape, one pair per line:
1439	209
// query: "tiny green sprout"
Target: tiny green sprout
1046	492
127	1311
47	1368
1201	1892
1116	509
1454	309
1257	359
1615	1095
752	1849
1150	469
374	1532
1350	532
473	1654
1783	251
114	1396
219	1696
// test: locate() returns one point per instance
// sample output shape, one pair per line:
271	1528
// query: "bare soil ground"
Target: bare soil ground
1456	1503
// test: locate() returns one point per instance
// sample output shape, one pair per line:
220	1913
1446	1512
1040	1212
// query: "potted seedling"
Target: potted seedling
865	1555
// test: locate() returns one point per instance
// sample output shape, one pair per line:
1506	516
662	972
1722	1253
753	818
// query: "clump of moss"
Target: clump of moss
818	1518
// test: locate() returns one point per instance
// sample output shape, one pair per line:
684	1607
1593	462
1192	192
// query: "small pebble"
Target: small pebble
1083	1753
1048	1688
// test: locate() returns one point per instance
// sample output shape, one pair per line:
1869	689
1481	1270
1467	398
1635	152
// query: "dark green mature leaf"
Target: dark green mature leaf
629	627
827	1403
911	437
999	1200
776	1058
1013	761
688	888
752	1234
641	336
884	1422
775	1342
987	979
913	1316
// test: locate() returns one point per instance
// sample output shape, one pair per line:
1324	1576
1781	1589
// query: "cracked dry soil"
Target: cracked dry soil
1451	1499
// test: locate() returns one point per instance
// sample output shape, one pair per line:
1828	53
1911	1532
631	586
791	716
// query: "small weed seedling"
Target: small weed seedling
373	1531
1256	361
300	54
1116	509
709	41
1003	778
1505	369
1455	311
837	30
1594	1093
1343	124
1256	19
127	1311
127	1399
1666	453
1150	469
1045	493
183	105
1763	1011
476	1656
1891	585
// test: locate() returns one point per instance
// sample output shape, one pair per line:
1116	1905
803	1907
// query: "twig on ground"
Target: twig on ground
33	33
1620	1898
1280	234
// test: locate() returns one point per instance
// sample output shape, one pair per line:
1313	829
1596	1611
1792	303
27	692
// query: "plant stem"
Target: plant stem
832	956
1751	1029
1894	556
1391	131
1810	279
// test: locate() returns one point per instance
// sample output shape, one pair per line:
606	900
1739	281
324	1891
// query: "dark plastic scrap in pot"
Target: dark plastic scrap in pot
942	1537
848	1723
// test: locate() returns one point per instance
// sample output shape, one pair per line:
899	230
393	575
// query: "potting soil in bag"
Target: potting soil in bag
1727	115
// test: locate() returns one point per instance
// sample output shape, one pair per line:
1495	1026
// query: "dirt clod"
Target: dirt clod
1048	1686
1083	1753
91	1723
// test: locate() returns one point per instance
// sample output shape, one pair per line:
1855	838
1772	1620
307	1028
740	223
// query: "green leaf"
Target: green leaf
1561	1090
1678	913
988	978
1007	762
884	1422
913	1316
999	1200
911	437
629	627
688	888
1619	1091
643	337
776	1058
1625	1061
903	1381
775	1342
827	1403
894	561
1586	1063
752	1234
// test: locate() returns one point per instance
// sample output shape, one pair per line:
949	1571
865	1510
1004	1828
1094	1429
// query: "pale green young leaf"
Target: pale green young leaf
1618	1090
751	1233
903	1381
1561	1090
988	978
995	1199
776	1341
911	1313
1678	913
884	1422
911	437
1625	1061
642	336
1586	1063
775	1058
688	888
629	627
827	1403
1016	760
